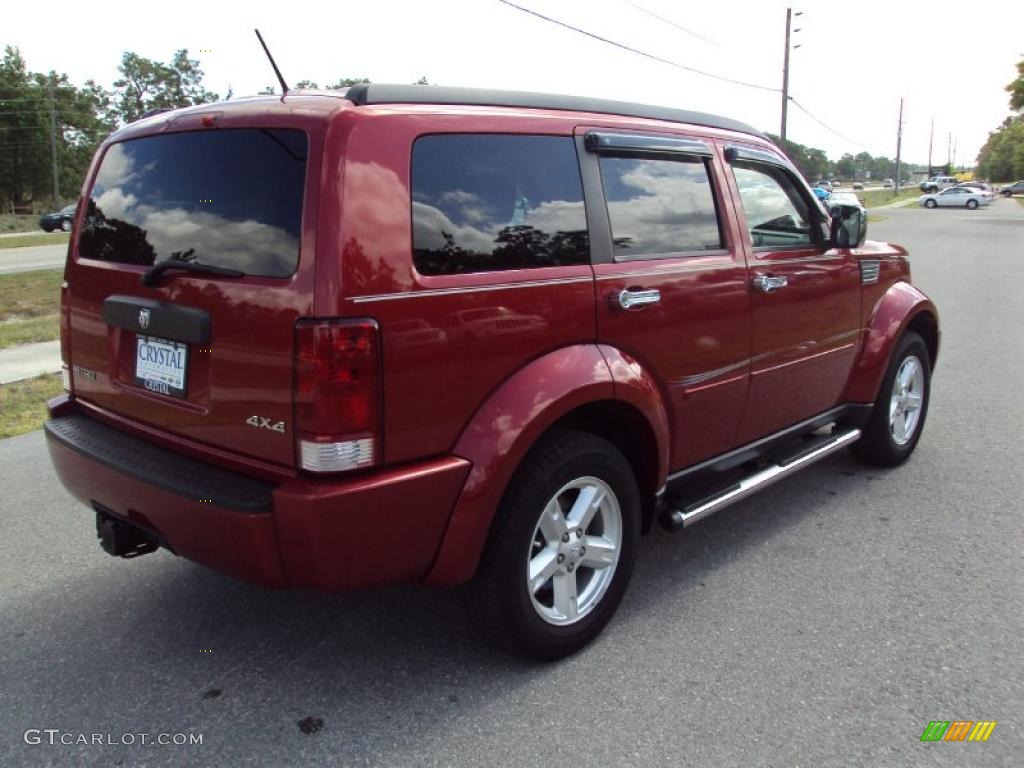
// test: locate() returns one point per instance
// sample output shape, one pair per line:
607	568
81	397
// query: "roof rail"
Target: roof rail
375	93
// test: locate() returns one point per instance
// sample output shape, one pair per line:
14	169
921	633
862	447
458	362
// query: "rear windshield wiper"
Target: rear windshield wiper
151	275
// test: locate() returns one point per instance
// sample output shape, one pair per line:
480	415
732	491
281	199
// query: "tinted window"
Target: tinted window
777	214
232	198
660	206
488	202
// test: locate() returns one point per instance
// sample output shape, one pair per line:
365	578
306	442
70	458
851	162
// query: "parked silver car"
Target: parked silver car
956	197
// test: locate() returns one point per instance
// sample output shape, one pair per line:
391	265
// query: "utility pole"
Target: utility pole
949	152
931	137
785	78
899	147
53	149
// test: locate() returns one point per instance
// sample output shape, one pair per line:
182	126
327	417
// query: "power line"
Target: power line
637	51
826	127
669	22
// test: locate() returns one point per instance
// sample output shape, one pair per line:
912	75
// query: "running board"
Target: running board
677	519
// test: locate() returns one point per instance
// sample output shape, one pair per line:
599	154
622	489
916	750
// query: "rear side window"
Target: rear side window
482	203
660	206
230	198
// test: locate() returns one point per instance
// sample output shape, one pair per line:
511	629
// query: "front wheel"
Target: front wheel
65	225
897	419
561	549
972	204
930	204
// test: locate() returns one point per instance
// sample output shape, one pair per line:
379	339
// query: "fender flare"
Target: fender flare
506	426
898	308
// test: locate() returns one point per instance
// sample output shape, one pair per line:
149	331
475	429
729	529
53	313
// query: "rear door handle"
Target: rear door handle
770	283
632	299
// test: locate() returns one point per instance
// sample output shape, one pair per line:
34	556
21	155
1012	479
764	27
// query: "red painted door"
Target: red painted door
671	282
805	298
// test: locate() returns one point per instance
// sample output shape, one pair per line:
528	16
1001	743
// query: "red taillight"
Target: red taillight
337	394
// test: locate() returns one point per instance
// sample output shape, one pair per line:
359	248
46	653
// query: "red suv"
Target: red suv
424	334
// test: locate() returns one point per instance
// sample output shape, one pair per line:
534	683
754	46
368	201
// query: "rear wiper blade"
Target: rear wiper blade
151	275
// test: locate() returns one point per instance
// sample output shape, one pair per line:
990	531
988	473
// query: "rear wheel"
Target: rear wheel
972	204
930	204
66	225
561	549
897	419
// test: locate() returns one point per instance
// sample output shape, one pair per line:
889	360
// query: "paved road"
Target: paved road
824	622
32	258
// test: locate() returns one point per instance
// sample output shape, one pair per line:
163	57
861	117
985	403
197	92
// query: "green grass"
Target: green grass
877	197
37	238
11	222
29	330
30	294
23	403
29	306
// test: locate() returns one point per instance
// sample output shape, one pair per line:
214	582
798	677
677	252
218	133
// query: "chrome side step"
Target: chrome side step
677	519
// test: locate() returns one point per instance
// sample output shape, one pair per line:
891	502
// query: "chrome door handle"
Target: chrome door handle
631	299
770	283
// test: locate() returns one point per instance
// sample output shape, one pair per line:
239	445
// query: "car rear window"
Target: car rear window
231	198
483	202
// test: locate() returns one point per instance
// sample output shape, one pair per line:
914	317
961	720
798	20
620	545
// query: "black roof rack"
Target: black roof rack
374	93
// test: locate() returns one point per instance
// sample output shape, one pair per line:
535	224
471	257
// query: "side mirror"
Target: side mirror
849	226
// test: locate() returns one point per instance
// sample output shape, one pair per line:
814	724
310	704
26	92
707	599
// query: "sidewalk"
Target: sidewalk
29	360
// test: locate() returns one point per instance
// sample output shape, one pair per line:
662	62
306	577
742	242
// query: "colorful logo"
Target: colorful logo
958	730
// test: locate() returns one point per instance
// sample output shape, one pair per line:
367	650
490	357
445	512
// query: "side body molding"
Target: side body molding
900	306
503	430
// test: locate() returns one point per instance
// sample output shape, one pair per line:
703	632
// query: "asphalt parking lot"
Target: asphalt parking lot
823	622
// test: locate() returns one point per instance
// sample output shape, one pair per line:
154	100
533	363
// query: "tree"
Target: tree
1016	89
147	84
1002	157
82	117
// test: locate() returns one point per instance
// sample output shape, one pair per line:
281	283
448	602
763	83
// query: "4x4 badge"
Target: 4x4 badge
143	319
265	423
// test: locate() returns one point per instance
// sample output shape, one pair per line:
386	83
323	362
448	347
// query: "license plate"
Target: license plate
161	365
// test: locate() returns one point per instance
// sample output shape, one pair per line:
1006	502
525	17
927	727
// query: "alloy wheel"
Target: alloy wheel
906	400
574	551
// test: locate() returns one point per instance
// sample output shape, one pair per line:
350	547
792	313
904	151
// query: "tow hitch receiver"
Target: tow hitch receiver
122	539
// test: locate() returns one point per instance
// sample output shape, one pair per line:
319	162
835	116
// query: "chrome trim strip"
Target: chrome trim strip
428	292
802	260
699	378
670	272
800	360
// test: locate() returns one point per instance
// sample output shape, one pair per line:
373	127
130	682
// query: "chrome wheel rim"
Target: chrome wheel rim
574	551
907	400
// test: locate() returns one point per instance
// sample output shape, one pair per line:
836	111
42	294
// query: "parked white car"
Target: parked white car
956	197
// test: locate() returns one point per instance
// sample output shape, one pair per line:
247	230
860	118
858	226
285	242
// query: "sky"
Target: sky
949	61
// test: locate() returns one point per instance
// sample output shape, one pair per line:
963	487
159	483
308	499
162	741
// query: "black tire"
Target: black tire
65	225
499	598
972	204
930	204
877	446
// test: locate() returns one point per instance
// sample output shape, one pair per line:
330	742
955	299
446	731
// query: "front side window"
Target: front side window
485	202
777	214
230	198
660	206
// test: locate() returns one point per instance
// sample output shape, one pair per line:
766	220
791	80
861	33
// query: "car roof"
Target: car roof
366	94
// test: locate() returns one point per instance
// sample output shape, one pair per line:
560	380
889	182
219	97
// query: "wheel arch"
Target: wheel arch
573	387
901	308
